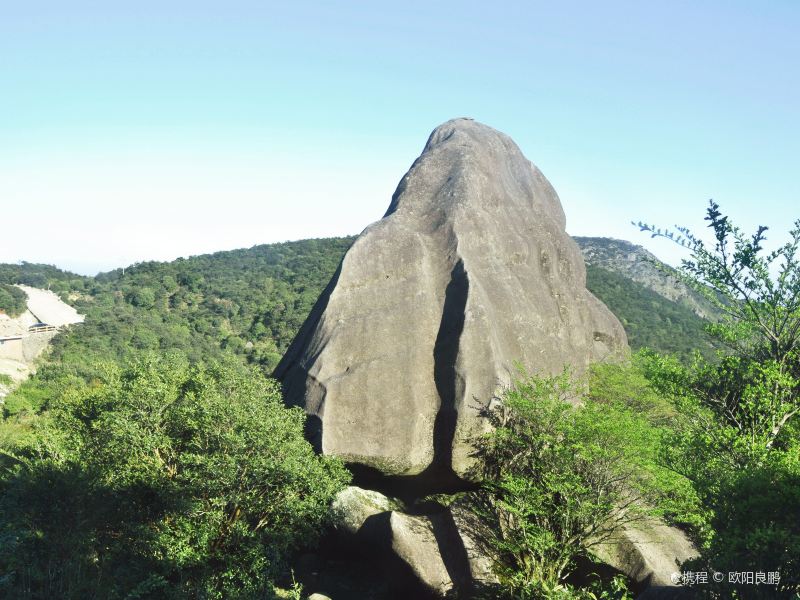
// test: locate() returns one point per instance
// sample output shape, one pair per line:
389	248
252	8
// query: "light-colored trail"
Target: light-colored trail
21	345
49	308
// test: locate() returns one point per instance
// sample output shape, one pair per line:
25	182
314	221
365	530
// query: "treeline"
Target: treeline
247	303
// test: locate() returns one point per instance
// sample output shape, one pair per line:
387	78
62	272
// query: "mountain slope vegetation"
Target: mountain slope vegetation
649	319
251	302
134	415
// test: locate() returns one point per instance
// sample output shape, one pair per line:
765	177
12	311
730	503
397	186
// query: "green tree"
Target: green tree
143	297
162	480
559	481
757	388
13	301
738	440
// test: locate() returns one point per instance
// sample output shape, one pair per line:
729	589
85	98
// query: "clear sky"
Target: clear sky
143	130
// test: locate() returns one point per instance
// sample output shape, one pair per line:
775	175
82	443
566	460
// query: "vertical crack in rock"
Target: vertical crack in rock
445	374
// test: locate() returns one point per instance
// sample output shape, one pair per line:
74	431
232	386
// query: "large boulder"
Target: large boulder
469	271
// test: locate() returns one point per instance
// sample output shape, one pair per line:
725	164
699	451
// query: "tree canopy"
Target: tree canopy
13	300
161	480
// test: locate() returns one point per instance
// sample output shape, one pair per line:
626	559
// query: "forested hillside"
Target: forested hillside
110	449
650	320
635	263
251	302
248	301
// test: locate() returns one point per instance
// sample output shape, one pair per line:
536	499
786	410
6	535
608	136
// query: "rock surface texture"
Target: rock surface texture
469	271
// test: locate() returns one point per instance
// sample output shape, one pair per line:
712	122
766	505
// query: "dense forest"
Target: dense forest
244	303
649	319
150	456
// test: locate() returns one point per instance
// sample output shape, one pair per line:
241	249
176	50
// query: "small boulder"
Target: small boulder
424	544
649	553
440	553
354	505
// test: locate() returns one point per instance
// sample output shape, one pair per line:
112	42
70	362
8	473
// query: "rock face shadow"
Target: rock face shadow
439	476
445	353
454	553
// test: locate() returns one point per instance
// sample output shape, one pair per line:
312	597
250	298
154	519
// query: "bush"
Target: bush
737	440
749	489
560	480
163	480
13	301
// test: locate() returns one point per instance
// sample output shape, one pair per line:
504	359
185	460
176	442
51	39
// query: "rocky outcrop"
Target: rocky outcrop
641	266
469	271
354	505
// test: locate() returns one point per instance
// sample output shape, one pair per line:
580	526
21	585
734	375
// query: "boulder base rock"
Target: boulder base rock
446	553
437	552
649	553
469	271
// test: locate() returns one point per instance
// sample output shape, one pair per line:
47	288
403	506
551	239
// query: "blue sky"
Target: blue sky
145	130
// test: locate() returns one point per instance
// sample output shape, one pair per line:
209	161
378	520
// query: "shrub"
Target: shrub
560	480
13	301
163	480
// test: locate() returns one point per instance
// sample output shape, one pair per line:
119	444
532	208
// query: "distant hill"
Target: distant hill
248	302
636	263
657	309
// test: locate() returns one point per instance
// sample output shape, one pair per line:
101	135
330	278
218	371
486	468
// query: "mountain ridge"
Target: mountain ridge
642	266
